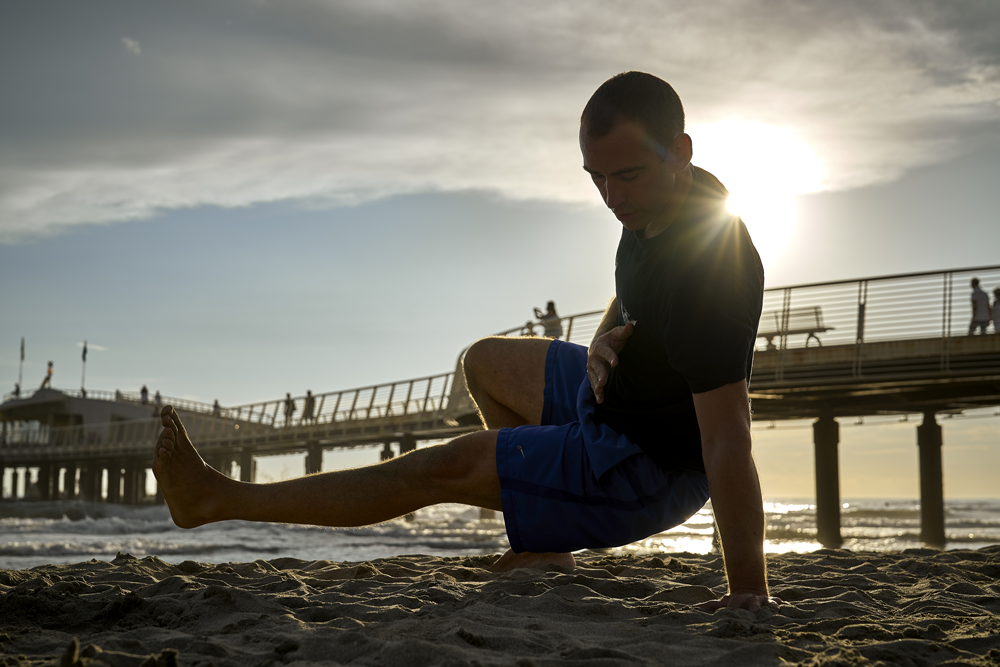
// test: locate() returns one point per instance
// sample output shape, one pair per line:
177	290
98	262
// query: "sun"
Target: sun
763	167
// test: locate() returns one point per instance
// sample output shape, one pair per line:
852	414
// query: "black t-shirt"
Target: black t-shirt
695	291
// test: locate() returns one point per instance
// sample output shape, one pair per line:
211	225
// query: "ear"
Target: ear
681	152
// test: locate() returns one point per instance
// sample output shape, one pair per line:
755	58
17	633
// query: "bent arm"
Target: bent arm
724	419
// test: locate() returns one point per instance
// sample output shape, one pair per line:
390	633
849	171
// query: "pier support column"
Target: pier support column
130	495
15	480
48	484
386	452
826	438
929	441
314	458
115	482
247	466
407	444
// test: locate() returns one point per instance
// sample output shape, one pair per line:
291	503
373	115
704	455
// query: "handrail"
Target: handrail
133	397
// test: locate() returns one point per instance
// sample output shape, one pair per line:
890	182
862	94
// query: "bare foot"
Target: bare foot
510	560
190	486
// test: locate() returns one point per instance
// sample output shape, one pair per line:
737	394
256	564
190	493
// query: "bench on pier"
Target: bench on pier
797	321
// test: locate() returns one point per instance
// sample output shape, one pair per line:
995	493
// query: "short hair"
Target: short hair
636	97
975	282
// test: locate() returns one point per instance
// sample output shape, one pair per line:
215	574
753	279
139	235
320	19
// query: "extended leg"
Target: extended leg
461	471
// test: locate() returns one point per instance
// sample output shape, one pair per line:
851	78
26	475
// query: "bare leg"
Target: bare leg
461	471
506	377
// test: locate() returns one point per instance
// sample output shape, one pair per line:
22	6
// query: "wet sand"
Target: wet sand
919	607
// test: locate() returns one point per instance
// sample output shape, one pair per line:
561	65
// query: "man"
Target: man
980	309
582	448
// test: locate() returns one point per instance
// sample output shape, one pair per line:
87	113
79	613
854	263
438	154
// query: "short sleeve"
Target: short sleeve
712	328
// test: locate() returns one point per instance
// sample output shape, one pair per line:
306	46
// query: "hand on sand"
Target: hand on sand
188	484
603	356
746	601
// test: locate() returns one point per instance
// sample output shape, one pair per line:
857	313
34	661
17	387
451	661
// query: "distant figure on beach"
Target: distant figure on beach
144	395
47	380
980	309
550	320
309	407
216	409
995	313
289	408
582	448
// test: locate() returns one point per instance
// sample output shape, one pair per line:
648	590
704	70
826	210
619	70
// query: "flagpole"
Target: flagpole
83	376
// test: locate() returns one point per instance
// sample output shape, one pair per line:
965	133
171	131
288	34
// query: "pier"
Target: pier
888	345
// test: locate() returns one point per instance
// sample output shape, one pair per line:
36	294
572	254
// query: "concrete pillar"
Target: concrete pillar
131	495
929	441
114	482
72	473
246	466
386	452
826	437
3	474
15	481
407	443
314	458
47	489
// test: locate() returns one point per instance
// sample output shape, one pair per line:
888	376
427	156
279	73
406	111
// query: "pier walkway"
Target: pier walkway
876	346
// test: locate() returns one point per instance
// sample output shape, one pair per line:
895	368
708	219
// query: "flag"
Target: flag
22	348
84	351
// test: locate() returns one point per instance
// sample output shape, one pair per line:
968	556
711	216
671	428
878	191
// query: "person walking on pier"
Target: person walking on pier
980	309
289	408
309	407
582	448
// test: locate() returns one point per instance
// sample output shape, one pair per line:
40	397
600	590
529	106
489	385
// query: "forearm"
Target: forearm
739	513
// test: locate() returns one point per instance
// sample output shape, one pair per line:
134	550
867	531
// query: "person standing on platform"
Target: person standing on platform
550	320
995	314
289	408
309	407
47	380
980	309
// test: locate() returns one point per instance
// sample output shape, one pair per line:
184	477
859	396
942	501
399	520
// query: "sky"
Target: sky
232	199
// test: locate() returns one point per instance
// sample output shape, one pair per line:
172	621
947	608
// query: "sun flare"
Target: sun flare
763	167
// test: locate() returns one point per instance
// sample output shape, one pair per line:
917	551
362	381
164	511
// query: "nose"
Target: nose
614	194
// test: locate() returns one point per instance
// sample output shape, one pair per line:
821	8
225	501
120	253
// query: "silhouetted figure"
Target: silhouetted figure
157	401
995	314
47	380
83	393
289	408
17	390
144	395
216	409
309	407
550	320
528	329
118	395
980	309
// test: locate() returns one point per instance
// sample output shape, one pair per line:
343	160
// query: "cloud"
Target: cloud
132	45
335	103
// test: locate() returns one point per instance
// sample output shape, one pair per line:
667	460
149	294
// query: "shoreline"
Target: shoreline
919	606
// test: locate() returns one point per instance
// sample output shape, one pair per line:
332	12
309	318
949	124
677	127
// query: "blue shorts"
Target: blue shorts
573	484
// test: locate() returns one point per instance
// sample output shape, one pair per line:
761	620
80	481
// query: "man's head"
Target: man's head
633	144
975	282
637	97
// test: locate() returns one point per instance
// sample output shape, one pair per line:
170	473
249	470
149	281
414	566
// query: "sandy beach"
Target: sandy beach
919	607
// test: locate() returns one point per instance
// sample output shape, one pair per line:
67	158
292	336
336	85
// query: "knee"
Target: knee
478	358
456	463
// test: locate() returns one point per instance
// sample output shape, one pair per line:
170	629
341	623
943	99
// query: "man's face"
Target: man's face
634	181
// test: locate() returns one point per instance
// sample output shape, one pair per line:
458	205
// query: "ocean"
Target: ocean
38	533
